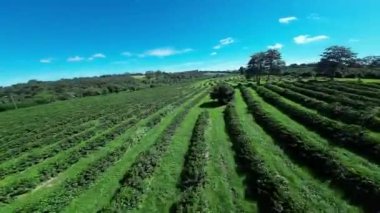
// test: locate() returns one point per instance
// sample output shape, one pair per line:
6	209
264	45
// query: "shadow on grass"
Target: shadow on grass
211	104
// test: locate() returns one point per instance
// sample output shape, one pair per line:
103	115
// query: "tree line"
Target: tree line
335	61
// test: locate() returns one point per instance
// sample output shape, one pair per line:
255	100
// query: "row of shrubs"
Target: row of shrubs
133	184
65	139
352	137
193	177
270	189
334	111
74	186
359	188
123	120
352	89
373	87
24	185
327	97
56	132
319	87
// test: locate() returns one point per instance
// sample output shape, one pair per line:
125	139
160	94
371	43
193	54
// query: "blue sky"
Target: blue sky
51	39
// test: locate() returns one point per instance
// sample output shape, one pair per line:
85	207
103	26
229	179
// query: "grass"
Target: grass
163	186
314	194
350	160
225	189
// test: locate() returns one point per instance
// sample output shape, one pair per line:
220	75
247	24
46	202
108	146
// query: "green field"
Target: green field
286	146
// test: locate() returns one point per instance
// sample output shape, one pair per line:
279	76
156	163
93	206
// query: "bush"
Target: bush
223	93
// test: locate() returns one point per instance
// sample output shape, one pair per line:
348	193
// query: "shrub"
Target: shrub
223	93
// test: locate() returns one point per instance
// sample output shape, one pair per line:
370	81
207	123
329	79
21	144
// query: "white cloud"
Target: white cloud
126	53
304	39
163	52
224	42
276	46
75	59
353	40
213	53
97	55
287	20
46	60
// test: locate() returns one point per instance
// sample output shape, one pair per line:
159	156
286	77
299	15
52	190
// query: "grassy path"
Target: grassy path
308	191
225	189
163	186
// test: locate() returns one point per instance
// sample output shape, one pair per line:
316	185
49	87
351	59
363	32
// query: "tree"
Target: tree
272	62
223	93
241	70
256	66
335	58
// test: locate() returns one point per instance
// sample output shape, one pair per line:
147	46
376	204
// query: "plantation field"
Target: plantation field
279	147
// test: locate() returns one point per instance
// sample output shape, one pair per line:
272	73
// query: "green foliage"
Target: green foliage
38	92
269	188
362	189
132	186
193	177
223	93
350	136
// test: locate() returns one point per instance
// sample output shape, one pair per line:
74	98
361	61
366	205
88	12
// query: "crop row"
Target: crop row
334	111
133	184
193	177
70	136
350	136
55	134
82	181
269	188
319	87
359	188
324	96
359	85
352	88
23	185
35	125
37	157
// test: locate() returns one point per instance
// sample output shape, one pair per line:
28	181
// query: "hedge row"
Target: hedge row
193	177
270	188
24	185
74	186
362	190
333	111
352	89
362	86
350	136
133	184
319	87
324	96
64	140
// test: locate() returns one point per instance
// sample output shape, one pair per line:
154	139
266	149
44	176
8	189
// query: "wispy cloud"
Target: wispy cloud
224	42
166	51
213	53
305	39
276	46
96	55
287	20
46	60
127	54
75	59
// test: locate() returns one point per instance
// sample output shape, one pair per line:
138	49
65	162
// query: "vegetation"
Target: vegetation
170	148
223	93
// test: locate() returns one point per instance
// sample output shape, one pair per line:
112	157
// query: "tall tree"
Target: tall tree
335	58
272	62
256	66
